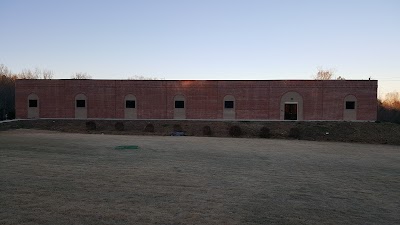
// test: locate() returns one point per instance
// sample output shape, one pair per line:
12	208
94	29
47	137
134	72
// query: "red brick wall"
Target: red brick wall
323	100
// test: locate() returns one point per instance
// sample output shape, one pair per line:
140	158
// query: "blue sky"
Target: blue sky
216	39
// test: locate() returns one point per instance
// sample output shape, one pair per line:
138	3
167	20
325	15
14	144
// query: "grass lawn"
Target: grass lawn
65	178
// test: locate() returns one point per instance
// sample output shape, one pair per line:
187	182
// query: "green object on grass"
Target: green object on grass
123	147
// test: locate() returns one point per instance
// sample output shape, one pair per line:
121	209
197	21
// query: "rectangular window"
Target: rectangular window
179	104
350	105
80	103
229	104
130	104
32	103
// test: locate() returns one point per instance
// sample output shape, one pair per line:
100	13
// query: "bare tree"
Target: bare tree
81	76
35	74
47	74
29	74
323	74
4	71
392	100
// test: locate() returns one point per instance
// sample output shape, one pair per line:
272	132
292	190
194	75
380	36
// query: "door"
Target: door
290	111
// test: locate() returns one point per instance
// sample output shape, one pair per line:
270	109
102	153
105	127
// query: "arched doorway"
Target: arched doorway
350	108
229	106
33	106
130	107
291	106
80	106
179	107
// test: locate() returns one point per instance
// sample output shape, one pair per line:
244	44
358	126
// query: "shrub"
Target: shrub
264	132
178	128
235	131
119	126
294	132
149	128
207	130
90	125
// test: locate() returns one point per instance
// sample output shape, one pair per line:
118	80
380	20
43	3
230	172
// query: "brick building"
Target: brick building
198	99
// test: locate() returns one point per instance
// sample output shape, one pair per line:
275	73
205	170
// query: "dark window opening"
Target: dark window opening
33	103
179	104
350	105
130	104
80	103
229	104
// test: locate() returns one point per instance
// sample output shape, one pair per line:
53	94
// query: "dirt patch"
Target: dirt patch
362	132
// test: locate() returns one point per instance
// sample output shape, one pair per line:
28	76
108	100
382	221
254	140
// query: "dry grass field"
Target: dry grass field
64	178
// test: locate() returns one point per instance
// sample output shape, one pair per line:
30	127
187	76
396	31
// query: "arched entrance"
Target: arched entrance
350	108
229	105
80	106
130	107
291	106
33	106
179	107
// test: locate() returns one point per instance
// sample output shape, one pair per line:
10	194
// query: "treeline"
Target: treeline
7	94
389	108
7	87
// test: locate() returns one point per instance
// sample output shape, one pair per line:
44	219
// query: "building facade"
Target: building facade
198	99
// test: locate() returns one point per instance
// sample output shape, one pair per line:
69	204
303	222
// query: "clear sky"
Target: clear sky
204	39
